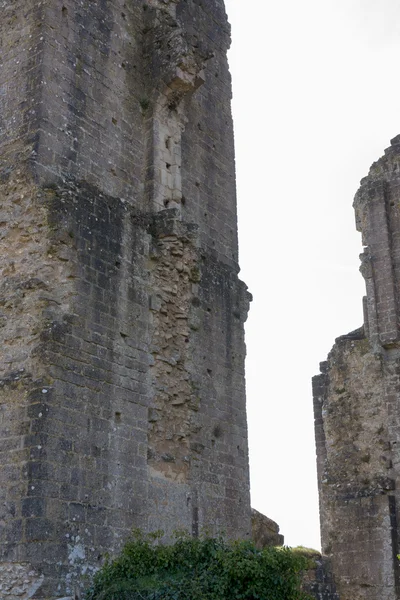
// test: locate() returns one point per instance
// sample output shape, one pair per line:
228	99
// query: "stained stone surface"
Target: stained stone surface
122	398
356	403
122	395
265	532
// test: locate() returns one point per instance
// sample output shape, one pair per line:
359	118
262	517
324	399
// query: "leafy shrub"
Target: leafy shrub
199	569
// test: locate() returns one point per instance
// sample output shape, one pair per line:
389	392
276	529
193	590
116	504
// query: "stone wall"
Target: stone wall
318	581
356	408
265	532
122	399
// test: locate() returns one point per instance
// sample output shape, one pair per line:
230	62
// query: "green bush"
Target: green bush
199	569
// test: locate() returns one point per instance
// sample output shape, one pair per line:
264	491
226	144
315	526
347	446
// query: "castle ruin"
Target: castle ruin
122	396
356	404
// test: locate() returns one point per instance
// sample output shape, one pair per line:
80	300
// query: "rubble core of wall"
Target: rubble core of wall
174	269
356	406
18	581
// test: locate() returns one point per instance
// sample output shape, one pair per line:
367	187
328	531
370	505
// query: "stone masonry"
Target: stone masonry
122	399
356	403
265	532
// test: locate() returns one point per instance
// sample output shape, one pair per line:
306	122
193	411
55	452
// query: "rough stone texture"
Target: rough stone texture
356	402
265	532
18	581
122	399
318	581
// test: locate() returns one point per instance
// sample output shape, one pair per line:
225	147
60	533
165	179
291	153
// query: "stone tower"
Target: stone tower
357	408
122	399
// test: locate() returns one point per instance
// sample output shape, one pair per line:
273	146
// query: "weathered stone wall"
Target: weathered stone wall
122	370
356	408
265	532
21	57
318	581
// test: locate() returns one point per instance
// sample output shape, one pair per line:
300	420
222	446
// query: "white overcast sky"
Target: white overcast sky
316	101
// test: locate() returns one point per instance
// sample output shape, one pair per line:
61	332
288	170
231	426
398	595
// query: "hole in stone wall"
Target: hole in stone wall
183	200
168	166
123	335
123	65
217	431
196	301
117	264
64	11
168	143
123	15
209	371
197	183
114	121
166	203
118	417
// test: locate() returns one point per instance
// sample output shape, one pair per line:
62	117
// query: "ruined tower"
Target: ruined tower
357	408
122	399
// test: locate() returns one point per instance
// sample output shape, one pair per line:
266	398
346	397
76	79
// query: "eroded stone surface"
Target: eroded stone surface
356	403
121	313
18	581
265	532
175	268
